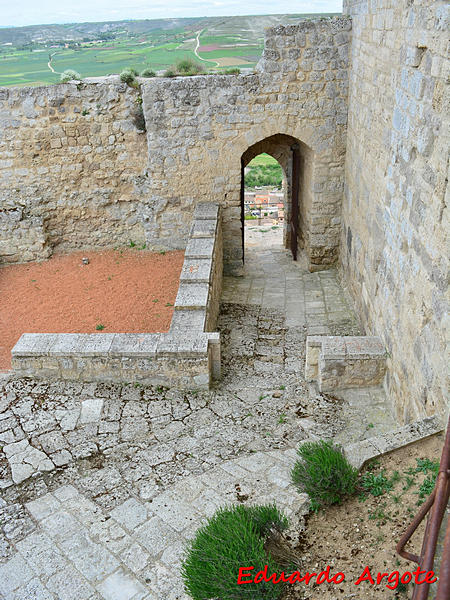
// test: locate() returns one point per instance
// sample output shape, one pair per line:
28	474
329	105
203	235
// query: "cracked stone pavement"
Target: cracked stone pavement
101	485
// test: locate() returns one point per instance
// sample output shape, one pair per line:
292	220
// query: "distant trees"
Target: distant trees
262	175
28	46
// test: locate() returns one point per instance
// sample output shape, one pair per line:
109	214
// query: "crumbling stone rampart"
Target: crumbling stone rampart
75	172
72	169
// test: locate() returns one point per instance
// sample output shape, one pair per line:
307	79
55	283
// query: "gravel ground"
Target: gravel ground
124	290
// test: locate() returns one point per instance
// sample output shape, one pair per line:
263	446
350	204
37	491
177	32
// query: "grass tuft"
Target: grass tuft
234	537
323	473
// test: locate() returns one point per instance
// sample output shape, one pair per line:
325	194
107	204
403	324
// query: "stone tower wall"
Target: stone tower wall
394	247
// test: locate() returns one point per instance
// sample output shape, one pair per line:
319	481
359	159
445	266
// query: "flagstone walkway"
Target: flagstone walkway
275	282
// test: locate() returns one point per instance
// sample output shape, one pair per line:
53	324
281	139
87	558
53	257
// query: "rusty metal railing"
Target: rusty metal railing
435	508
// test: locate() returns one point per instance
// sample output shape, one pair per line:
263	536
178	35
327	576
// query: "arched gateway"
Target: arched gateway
296	160
294	108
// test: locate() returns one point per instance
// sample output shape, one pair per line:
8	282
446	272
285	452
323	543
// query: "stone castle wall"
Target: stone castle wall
393	251
72	167
75	172
199	128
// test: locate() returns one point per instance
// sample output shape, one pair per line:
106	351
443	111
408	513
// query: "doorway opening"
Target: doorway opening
274	173
263	205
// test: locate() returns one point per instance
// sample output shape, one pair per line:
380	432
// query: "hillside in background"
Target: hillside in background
80	31
37	54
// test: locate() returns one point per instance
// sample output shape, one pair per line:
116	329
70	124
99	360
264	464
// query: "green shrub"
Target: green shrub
128	76
188	66
233	538
69	75
232	71
131	70
323	473
169	73
138	119
148	73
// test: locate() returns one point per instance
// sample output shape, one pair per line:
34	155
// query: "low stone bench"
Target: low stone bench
338	362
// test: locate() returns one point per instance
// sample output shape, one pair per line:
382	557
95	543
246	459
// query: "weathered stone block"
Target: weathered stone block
134	344
172	344
196	270
343	362
82	344
33	343
333	347
188	320
203	228
206	210
192	296
200	248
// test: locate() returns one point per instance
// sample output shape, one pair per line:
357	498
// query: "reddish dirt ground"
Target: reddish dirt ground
125	290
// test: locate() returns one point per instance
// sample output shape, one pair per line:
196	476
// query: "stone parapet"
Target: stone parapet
165	359
198	298
343	362
186	358
359	453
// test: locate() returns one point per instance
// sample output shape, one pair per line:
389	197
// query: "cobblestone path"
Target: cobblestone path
101	485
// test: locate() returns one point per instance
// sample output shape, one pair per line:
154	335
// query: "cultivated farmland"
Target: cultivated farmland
37	55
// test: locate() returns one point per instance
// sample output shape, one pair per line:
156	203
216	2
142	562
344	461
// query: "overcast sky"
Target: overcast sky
36	12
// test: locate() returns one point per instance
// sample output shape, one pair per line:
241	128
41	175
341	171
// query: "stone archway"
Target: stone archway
295	159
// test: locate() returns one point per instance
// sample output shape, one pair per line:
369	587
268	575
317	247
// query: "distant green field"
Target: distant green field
97	61
221	39
242	51
135	44
26	68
